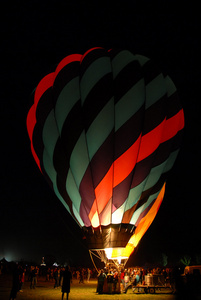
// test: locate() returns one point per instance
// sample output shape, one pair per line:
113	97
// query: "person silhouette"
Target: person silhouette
67	279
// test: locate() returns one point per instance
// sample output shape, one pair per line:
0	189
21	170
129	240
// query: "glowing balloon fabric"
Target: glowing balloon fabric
105	129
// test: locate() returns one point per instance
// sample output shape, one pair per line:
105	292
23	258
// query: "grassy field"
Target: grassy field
87	291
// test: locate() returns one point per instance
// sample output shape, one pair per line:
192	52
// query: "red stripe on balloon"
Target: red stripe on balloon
87	52
42	87
124	165
172	126
67	60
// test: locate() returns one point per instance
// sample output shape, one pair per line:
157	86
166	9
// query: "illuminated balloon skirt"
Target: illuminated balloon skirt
110	237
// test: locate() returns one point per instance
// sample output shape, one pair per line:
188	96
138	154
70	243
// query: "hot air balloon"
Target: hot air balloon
105	129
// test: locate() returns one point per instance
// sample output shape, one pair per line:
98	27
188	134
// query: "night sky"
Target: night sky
35	36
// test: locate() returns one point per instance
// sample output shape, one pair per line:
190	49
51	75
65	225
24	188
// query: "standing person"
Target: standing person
88	274
101	279
122	280
22	278
61	276
16	283
33	278
126	278
67	279
137	277
81	276
115	281
56	279
110	280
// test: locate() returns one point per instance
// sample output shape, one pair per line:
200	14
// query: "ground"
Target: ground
45	291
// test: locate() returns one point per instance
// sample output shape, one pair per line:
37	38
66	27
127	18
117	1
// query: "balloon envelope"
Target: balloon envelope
105	130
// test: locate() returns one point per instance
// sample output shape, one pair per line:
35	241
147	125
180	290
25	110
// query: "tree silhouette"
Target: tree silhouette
186	259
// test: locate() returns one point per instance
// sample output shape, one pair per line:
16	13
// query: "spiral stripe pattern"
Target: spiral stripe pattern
105	130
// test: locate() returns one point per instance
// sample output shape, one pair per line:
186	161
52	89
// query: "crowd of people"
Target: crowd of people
109	279
81	274
61	276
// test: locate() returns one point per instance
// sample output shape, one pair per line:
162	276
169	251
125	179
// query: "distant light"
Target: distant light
55	264
43	262
9	257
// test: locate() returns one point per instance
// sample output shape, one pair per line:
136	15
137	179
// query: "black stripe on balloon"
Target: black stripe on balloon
84	214
177	140
43	109
90	57
60	159
99	166
102	160
166	148
136	176
97	98
128	133
71	131
143	199
155	114
154	189
114	52
61	184
158	159
150	71
151	191
142	168
174	105
126	79
38	140
141	171
87	194
62	190
121	191
66	74
87	190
